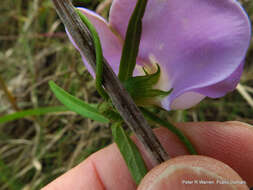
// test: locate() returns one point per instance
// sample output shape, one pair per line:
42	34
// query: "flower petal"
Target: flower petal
185	101
190	99
111	44
120	13
221	88
198	43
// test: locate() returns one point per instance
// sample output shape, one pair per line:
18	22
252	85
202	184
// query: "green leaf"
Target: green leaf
152	117
132	42
107	109
32	112
130	153
77	105
99	54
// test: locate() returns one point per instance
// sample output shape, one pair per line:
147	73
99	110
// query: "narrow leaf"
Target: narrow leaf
99	54
152	117
132	42
130	153
77	105
32	112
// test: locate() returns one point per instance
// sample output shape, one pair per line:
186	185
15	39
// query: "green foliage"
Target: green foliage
132	41
130	153
32	112
155	118
141	87
107	109
77	105
99	54
29	59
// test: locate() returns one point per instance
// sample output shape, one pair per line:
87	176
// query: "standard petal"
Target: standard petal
111	44
198	43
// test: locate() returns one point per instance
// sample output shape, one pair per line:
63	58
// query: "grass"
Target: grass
33	50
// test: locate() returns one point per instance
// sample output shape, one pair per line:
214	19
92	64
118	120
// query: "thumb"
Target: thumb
192	172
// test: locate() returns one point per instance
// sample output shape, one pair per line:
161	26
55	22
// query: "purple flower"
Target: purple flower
200	45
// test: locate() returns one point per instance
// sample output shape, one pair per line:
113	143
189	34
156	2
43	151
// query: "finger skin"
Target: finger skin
228	142
192	172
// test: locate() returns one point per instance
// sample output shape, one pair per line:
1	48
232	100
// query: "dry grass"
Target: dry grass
33	50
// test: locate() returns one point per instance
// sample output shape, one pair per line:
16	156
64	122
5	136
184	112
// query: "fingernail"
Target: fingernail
181	176
239	123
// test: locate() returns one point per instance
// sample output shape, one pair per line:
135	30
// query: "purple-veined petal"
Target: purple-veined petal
111	43
197	43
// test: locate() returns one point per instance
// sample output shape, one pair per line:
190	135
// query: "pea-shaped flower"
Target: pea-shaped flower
200	45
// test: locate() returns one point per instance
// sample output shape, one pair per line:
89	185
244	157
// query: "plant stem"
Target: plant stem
151	116
118	94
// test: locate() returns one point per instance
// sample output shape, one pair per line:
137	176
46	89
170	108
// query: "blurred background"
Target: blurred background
34	49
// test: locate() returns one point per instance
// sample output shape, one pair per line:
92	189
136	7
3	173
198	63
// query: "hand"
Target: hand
224	146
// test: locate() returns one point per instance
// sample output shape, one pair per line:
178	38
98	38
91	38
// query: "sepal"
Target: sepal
141	87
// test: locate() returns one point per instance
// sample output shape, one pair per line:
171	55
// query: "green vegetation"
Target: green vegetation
34	49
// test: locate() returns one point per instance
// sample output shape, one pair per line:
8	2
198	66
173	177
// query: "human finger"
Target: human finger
192	172
106	168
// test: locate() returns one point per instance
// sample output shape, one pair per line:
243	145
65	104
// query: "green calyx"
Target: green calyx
141	87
